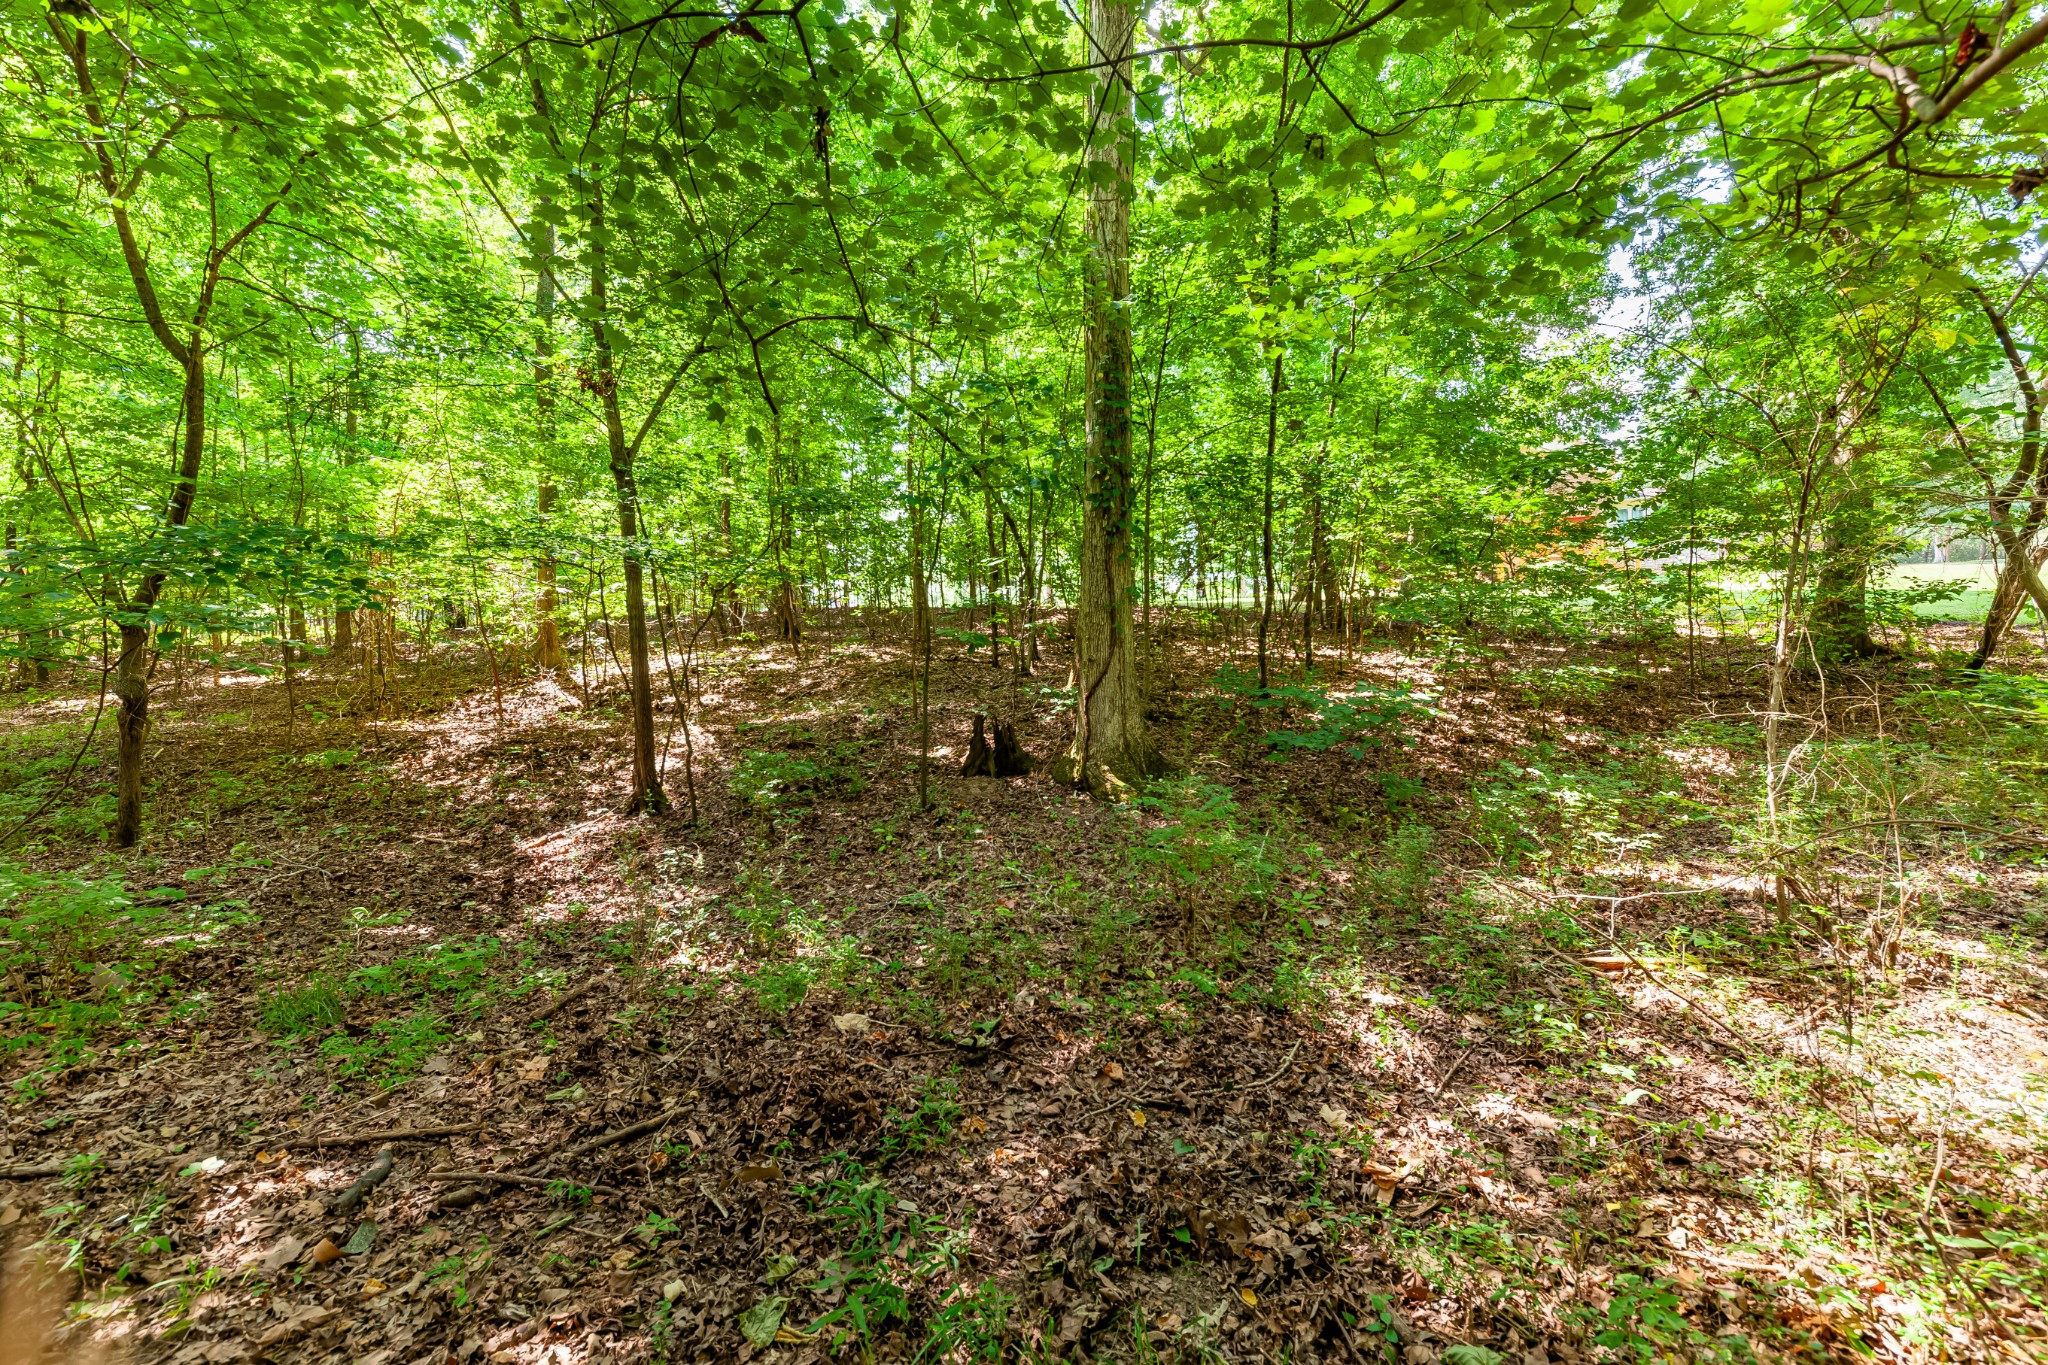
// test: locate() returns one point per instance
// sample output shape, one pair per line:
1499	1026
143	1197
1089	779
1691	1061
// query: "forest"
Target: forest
970	681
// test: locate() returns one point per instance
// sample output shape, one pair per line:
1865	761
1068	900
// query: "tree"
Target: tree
1112	752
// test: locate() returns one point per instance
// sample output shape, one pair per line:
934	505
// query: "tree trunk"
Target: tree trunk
647	792
1112	753
131	671
547	643
787	607
2020	575
1839	622
1272	448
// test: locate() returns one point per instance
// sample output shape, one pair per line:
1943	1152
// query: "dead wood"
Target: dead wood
379	1172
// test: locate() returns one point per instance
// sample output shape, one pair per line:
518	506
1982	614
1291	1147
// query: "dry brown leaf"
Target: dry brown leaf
1113	1071
1251	1300
747	1175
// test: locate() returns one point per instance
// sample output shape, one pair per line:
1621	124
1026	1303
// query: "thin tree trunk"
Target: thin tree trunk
647	791
547	644
1272	448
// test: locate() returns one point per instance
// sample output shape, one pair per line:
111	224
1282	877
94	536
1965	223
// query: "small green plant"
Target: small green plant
887	1249
927	1126
454	1271
970	1325
303	1009
781	987
777	785
391	1050
1645	1322
568	1192
460	969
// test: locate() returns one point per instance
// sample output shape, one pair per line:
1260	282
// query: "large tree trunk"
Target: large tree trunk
647	792
1839	622
1112	752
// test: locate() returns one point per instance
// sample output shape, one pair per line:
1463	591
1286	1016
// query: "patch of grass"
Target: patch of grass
88	957
390	1050
888	1253
459	969
778	785
928	1125
302	1009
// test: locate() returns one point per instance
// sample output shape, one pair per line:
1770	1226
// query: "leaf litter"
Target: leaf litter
865	1080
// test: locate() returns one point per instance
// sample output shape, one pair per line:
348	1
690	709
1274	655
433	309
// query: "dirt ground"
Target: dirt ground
1389	1055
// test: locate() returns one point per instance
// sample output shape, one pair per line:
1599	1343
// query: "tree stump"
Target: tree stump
1003	758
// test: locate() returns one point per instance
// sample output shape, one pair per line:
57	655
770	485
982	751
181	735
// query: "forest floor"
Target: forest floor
1441	1011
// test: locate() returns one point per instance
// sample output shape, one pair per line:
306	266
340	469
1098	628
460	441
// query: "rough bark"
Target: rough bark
1112	753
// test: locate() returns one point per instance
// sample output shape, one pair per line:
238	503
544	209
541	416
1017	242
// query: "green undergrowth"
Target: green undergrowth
86	962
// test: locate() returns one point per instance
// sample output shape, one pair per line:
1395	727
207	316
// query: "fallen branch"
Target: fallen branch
1278	1072
567	997
389	1135
536	1172
379	1172
1452	1071
41	1171
1748	1049
503	1178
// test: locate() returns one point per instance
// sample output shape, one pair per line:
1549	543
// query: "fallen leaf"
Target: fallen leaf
747	1175
283	1254
673	1288
1138	1117
760	1324
789	1336
1113	1071
1335	1116
372	1288
303	1320
1251	1300
10	1215
853	1023
534	1068
361	1240
973	1126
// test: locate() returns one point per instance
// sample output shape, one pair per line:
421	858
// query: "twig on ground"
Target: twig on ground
565	998
1748	1048
386	1135
1451	1071
505	1178
1285	1062
1642	895
1940	1156
40	1171
470	1194
379	1172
